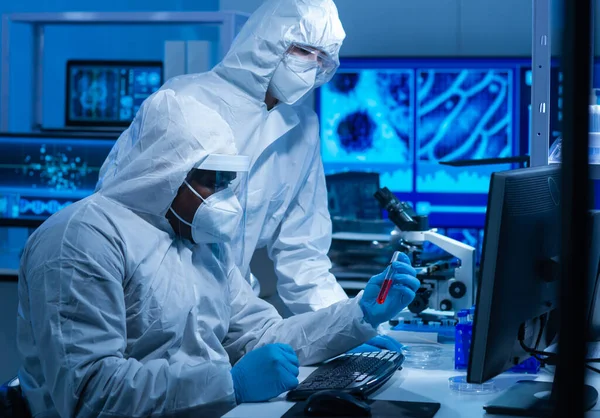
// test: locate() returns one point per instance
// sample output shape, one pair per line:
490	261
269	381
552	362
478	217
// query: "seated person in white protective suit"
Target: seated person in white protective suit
285	50
129	305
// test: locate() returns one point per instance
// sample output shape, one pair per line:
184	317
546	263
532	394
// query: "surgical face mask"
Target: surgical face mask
293	79
216	220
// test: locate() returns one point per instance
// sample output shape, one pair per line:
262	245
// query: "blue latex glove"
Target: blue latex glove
386	343
402	292
377	344
265	373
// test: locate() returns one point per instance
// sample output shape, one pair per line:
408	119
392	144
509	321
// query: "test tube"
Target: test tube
387	281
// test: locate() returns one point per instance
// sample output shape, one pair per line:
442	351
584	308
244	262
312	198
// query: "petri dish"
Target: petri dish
460	384
421	356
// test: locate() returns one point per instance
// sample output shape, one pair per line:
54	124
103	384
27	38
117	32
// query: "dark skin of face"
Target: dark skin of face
270	101
186	203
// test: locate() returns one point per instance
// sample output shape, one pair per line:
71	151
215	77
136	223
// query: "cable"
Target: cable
536	354
550	357
543	323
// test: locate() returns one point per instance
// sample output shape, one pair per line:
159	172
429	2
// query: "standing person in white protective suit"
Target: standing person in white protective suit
285	50
130	306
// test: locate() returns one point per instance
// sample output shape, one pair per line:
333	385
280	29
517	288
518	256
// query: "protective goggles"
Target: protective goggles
311	54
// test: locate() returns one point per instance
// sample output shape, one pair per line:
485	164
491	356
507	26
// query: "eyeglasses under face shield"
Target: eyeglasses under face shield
214	181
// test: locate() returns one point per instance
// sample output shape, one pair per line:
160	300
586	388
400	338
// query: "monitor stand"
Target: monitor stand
528	398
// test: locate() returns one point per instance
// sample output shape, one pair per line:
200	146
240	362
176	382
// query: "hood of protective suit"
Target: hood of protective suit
171	134
273	27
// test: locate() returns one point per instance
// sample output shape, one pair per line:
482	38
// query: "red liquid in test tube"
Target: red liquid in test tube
387	282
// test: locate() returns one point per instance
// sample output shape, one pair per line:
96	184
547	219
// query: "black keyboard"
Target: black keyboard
358	374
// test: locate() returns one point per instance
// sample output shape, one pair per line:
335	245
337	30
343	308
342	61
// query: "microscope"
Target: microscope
444	287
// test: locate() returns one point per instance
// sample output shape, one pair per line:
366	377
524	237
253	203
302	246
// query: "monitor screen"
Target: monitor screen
401	117
109	93
39	175
350	195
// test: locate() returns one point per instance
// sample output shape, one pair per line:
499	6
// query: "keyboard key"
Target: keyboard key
357	371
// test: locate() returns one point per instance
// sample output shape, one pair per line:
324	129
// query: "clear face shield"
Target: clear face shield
210	207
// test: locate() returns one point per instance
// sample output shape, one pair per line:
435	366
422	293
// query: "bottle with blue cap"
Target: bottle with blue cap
462	348
463	334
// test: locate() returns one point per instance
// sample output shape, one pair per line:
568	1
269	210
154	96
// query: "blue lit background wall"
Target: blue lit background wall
135	42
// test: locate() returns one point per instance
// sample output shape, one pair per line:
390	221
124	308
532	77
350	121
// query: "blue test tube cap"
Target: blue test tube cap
462	313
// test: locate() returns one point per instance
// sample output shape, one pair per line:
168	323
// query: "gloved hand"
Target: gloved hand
377	344
402	292
386	343
265	373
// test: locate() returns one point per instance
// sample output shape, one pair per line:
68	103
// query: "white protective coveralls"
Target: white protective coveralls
120	317
287	209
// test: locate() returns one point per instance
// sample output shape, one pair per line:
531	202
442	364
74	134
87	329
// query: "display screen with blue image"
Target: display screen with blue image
367	125
401	117
102	93
39	175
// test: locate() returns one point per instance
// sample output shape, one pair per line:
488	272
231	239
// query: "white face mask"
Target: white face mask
293	79
216	220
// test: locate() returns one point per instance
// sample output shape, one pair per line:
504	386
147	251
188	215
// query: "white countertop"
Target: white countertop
419	385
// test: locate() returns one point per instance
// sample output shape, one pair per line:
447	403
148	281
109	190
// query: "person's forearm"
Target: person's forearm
318	336
307	286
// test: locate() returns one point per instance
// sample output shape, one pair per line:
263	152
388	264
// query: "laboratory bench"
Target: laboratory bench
421	385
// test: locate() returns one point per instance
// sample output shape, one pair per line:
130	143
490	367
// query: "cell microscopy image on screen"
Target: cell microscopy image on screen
110	94
367	119
95	94
462	115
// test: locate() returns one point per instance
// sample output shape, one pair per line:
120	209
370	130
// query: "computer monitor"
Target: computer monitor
108	93
350	195
41	174
520	281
